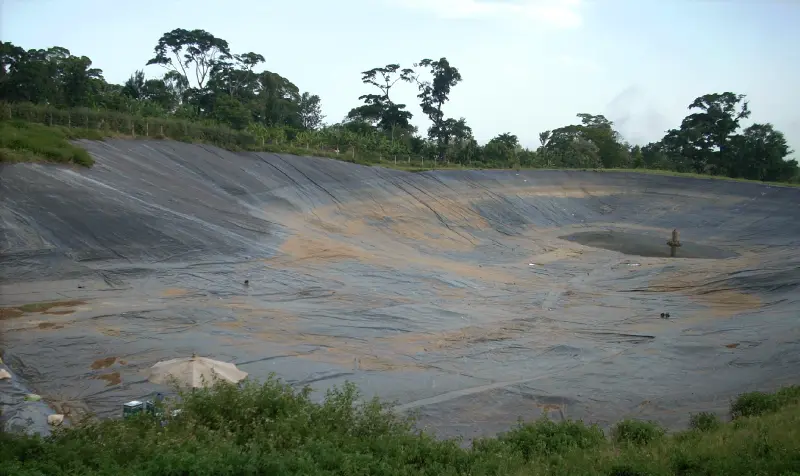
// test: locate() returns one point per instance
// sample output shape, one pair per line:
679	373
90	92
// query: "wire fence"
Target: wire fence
110	123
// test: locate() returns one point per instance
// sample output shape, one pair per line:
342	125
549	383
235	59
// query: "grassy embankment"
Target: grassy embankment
47	131
273	429
43	134
27	142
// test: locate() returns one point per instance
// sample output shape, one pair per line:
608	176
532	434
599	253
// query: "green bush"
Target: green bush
637	432
704	421
753	404
759	403
272	428
626	470
544	438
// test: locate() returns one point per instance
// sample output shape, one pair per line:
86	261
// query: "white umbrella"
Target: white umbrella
194	371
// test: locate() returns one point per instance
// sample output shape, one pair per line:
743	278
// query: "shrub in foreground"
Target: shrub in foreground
637	432
273	429
544	438
704	421
760	403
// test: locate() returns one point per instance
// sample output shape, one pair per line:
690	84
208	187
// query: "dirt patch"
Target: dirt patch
50	325
558	254
341	351
706	283
111	332
175	292
353	358
732	346
304	248
111	379
103	363
42	307
728	303
362	239
75	410
467	337
46	306
554	409
251	315
10	312
59	313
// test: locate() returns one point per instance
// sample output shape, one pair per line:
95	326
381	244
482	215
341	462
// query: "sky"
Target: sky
527	65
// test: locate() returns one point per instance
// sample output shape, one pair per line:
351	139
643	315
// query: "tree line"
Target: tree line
203	81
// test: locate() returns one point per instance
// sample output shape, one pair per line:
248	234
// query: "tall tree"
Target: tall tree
385	78
759	153
600	131
79	81
544	138
278	100
502	149
52	76
156	91
592	143
181	50
434	93
708	142
704	137
12	59
379	109
235	76
310	111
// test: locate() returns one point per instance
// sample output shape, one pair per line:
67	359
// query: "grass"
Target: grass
28	142
273	429
38	135
699	176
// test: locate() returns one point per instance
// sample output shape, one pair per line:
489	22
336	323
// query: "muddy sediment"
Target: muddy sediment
472	297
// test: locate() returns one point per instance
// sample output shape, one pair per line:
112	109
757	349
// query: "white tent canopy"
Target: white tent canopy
194	371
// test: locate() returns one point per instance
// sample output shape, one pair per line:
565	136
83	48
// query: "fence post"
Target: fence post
69	120
146	128
162	129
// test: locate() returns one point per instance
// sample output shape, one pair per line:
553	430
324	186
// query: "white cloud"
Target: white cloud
558	13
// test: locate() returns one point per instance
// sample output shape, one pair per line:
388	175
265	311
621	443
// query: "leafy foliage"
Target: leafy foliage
272	428
205	84
637	432
707	142
704	421
544	438
760	403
